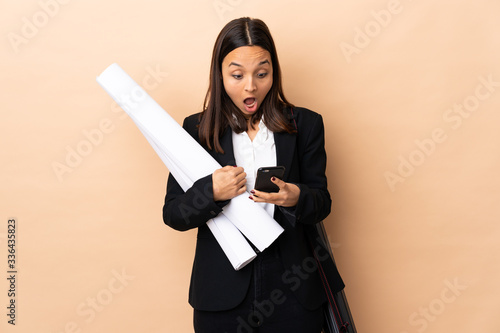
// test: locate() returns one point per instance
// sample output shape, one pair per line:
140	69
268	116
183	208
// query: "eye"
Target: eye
237	76
262	75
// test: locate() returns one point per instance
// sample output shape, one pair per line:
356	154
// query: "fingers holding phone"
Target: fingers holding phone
271	189
263	181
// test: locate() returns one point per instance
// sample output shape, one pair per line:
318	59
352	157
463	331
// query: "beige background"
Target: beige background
418	253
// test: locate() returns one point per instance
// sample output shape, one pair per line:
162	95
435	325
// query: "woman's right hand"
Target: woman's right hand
228	182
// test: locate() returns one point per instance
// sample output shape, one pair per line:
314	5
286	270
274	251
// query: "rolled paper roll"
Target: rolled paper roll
188	161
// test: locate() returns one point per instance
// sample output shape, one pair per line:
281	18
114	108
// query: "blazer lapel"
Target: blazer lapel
226	142
285	148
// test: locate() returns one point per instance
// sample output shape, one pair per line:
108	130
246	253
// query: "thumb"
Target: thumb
281	184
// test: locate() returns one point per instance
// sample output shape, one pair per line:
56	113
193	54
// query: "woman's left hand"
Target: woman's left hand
288	195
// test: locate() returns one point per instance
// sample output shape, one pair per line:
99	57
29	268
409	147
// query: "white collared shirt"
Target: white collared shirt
251	155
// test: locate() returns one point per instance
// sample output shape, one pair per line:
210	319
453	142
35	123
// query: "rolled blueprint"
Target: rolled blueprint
188	161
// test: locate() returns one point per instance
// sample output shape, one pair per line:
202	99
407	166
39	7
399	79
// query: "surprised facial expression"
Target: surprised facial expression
247	73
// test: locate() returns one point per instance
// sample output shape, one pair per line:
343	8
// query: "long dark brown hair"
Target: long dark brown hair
218	108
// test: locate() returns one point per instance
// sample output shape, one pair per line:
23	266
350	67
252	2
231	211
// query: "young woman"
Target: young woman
248	123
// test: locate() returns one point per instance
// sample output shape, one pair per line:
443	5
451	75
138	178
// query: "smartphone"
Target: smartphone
263	181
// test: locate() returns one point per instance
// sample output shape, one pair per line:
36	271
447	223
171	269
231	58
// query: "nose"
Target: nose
250	85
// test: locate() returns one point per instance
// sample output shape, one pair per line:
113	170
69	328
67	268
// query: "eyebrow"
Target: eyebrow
260	63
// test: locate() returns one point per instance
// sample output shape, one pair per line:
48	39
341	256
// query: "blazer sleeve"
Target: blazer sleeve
314	203
193	208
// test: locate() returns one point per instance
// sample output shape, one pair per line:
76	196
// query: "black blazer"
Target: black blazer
215	285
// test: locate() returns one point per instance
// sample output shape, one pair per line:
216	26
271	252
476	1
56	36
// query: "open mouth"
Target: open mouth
250	102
